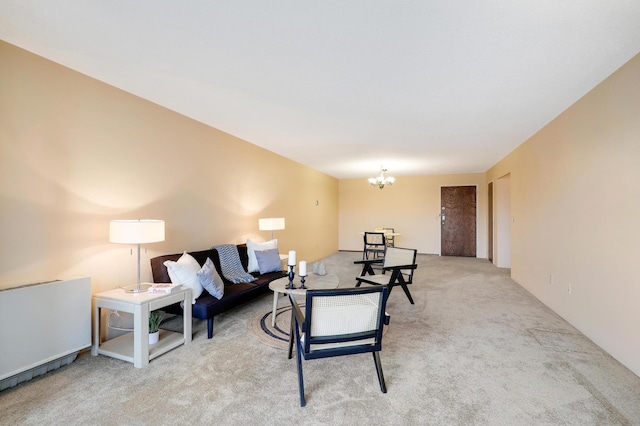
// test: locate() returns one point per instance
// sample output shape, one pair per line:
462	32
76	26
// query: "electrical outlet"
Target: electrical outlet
569	288
550	279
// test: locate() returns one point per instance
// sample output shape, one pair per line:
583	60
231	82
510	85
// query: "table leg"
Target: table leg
186	315
96	329
275	307
141	335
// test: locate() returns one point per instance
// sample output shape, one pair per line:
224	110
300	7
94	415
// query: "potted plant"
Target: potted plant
155	318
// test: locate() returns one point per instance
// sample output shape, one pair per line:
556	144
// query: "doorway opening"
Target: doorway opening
503	222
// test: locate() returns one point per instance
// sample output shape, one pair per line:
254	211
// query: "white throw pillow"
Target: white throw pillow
185	272
251	252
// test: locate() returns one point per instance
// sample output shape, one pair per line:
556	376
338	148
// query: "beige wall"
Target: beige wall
76	153
575	202
411	206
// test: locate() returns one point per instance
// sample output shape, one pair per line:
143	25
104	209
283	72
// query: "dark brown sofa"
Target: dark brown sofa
207	306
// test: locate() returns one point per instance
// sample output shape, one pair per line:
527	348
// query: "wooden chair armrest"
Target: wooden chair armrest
390	268
367	261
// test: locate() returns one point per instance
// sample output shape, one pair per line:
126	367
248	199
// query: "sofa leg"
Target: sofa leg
210	328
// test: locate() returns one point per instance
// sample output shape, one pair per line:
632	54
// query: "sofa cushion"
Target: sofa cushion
263	280
208	306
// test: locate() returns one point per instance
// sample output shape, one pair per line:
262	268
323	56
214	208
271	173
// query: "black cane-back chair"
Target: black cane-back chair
375	244
389	235
338	322
400	262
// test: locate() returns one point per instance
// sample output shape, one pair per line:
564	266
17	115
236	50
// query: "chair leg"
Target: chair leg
300	378
291	335
406	291
376	359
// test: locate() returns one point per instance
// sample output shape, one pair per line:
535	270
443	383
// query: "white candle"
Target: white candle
302	271
292	258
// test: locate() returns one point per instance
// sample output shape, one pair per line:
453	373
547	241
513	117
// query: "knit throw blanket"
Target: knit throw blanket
231	265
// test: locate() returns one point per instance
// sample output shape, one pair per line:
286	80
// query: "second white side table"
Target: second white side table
134	346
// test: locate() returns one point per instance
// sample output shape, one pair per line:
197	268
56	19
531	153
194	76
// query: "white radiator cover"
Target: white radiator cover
42	327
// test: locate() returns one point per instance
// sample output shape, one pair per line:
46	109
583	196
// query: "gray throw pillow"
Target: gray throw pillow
268	261
210	279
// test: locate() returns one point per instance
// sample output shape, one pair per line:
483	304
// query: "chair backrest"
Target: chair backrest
390	238
397	256
374	239
344	321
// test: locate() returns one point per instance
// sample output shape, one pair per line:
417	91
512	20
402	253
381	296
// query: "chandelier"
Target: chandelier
382	179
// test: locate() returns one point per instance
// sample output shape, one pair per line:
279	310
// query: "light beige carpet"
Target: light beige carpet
475	349
276	335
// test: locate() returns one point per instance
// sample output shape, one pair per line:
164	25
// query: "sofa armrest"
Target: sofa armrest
159	272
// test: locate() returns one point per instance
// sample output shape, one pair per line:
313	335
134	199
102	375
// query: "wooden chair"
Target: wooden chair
390	239
338	322
401	262
374	245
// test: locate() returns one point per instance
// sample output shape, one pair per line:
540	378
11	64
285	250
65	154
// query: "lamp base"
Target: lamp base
134	288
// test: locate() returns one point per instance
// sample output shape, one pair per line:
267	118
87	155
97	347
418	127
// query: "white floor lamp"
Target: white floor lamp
137	231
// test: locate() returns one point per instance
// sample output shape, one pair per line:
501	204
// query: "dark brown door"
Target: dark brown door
458	221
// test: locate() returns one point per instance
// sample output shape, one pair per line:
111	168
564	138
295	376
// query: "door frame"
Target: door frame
490	215
503	219
440	212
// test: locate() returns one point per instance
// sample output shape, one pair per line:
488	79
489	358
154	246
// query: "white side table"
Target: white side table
312	282
134	346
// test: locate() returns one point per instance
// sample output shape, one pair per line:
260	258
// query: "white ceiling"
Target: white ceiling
421	87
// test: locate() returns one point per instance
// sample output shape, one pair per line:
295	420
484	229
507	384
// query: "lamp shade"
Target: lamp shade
271	223
137	231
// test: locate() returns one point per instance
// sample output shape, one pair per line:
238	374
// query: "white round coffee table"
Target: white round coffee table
312	282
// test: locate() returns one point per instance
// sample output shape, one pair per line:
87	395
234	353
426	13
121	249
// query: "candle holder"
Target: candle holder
291	275
302	277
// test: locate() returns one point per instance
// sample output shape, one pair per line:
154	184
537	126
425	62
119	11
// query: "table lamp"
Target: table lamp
136	231
271	224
